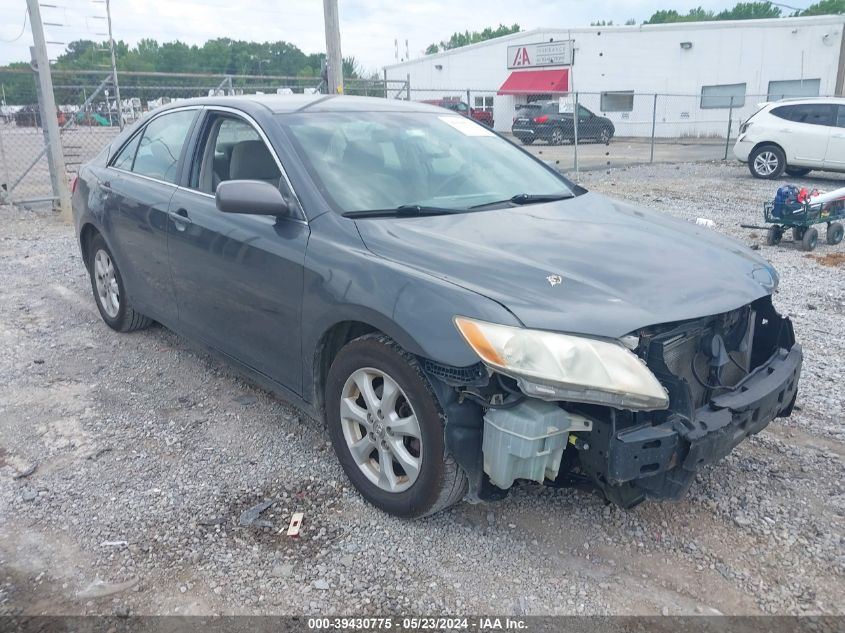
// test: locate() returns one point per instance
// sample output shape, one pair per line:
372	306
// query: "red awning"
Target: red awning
525	82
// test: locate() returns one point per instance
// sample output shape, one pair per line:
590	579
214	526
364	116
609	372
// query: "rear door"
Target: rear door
238	277
138	186
835	157
805	132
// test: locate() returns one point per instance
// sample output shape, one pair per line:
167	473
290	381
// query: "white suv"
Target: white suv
794	136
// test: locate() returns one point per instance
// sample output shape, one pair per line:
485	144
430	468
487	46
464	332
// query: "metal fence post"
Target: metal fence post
385	83
730	121
48	112
469	105
408	84
653	127
575	134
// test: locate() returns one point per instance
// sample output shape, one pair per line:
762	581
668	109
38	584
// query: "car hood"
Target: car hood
588	265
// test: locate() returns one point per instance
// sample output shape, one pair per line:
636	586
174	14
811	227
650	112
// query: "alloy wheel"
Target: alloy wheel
108	291
766	163
557	137
604	135
381	430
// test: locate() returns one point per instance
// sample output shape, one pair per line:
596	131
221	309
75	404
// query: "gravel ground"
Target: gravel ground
146	453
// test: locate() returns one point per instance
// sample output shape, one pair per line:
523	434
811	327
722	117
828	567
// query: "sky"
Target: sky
368	27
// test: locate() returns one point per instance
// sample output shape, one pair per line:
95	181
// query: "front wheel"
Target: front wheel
605	135
526	141
834	234
767	162
810	239
556	137
386	427
774	235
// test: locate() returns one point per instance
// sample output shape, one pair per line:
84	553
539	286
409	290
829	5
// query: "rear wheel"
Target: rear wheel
767	162
526	141
810	239
798	233
835	231
557	137
386	427
797	172
109	292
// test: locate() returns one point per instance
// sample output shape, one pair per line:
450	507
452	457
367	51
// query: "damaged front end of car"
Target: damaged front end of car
634	418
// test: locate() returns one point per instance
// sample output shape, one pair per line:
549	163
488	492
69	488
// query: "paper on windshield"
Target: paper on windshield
465	126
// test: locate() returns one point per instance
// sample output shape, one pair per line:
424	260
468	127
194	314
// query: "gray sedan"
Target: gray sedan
460	315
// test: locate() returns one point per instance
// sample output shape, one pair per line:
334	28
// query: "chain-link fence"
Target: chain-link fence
612	128
89	115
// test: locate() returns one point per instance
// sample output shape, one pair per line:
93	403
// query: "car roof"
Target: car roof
282	104
806	100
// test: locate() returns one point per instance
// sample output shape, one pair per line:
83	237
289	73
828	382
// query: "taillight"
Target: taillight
73	185
541	119
744	127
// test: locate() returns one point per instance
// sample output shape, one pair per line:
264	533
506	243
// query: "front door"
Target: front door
238	277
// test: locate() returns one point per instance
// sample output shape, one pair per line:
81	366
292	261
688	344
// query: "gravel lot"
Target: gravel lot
146	453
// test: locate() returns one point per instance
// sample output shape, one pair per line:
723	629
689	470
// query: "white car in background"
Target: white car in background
794	136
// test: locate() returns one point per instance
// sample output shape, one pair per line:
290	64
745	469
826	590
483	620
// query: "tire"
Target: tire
774	235
556	137
605	135
798	233
810	239
110	295
835	231
375	360
526	141
767	162
797	172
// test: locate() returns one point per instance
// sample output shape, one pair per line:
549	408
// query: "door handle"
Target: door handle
180	219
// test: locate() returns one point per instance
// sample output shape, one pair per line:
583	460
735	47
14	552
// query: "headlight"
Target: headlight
564	367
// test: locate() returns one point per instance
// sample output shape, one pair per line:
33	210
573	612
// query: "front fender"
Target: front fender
346	282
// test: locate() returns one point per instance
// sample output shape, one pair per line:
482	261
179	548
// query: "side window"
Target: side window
234	151
161	144
126	156
583	113
812	113
840	116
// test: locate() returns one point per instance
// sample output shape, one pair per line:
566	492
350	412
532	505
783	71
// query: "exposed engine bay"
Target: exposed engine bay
726	377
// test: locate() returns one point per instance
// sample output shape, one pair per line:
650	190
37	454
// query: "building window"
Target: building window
483	103
723	96
617	101
793	88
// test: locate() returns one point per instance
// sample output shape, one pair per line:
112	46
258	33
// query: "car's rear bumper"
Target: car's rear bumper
742	148
662	460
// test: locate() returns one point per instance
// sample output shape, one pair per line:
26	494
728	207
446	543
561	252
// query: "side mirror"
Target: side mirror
250	196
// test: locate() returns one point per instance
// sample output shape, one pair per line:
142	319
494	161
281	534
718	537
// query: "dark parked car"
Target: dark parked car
459	314
554	127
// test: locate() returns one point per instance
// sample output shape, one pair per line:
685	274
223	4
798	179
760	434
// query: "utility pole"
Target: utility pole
114	70
47	102
334	60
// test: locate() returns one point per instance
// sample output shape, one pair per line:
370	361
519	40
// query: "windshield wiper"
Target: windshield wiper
527	198
403	211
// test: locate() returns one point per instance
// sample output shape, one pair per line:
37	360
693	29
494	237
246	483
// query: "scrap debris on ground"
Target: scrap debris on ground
140	439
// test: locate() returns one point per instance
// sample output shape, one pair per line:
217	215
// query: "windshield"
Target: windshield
384	160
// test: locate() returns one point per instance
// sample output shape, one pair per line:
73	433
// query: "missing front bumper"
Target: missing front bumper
661	461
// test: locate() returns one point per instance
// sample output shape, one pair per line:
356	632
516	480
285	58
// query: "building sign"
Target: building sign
545	54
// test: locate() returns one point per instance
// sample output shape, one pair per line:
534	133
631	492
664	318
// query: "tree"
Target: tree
741	11
824	7
750	11
458	39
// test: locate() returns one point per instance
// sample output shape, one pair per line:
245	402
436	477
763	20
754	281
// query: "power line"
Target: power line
23	30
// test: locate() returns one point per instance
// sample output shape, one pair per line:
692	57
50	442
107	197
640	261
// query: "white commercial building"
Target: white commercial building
703	72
